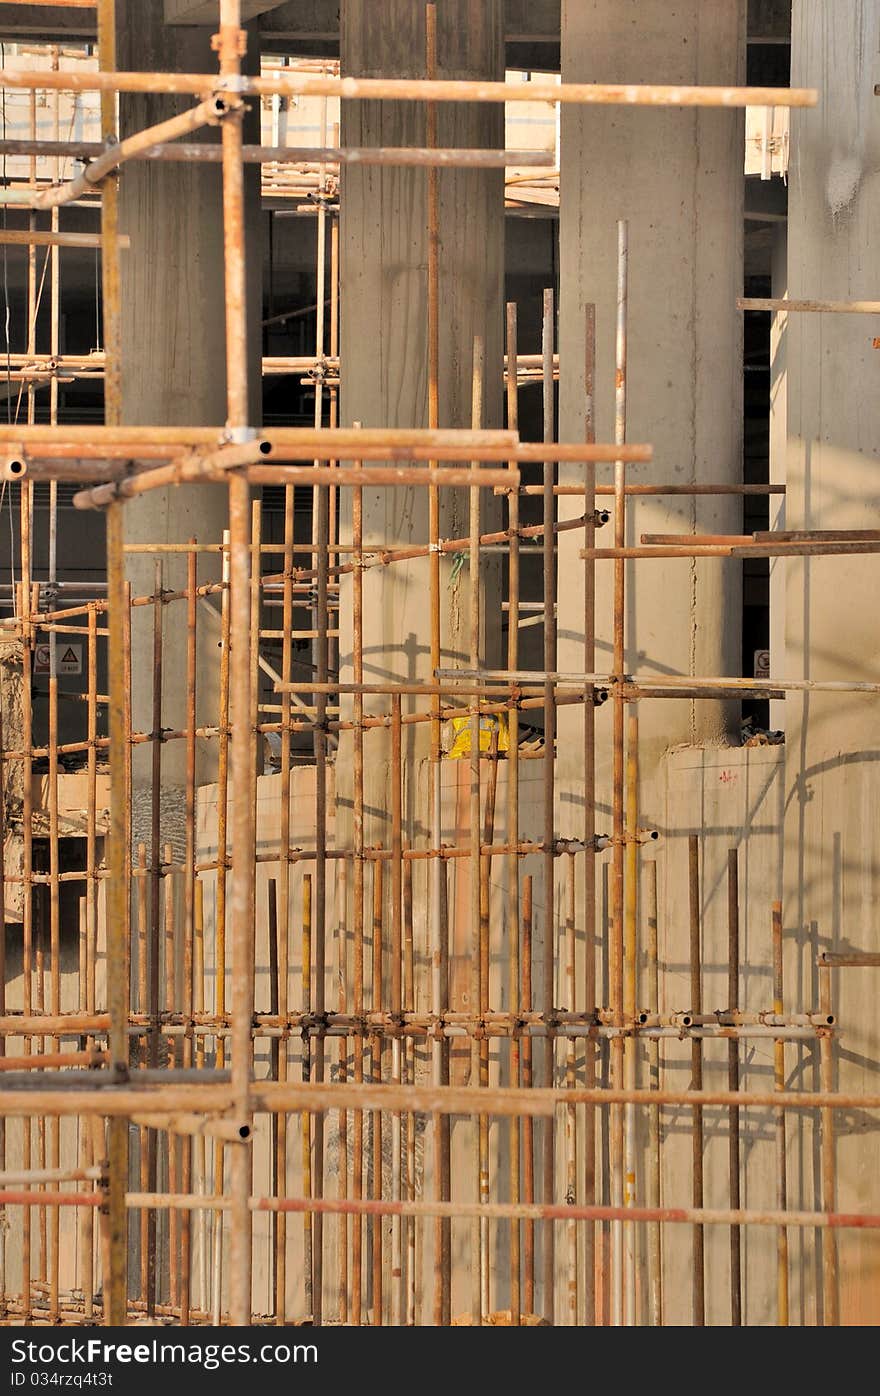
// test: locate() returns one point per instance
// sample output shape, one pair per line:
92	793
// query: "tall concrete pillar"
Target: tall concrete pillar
173	349
384	354
384	325
832	869
677	177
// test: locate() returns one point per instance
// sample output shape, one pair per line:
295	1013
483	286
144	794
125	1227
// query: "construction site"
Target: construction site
439	668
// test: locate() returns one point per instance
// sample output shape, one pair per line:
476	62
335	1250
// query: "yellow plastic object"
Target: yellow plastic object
460	729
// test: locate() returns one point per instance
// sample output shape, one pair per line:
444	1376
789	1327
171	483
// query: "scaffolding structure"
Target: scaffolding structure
278	979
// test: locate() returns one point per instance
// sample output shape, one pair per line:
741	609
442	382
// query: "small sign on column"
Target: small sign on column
68	659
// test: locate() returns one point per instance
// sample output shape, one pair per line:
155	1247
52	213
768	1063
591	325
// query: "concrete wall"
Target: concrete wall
384	327
340	949
732	799
384	343
832	871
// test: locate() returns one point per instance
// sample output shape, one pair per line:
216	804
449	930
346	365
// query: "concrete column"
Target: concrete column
174	374
832	870
384	353
384	324
677	176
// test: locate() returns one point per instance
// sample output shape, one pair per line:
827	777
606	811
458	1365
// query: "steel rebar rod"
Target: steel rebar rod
630	998
781	1164
284	899
358	896
571	1114
512	904
321	753
153	956
398	1307
526	1092
654	1178
828	1154
440	1132
479	930
308	1248
549	785
230	47
618	872
376	1053
589	777
118	910
733	1081
696	975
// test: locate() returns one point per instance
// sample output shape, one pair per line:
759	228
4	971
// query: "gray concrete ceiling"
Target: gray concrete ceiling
311	27
46	23
306	27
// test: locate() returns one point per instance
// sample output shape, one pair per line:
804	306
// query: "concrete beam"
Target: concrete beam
49	24
532	21
525	21
769	21
46	23
307	21
204	12
383	254
306	27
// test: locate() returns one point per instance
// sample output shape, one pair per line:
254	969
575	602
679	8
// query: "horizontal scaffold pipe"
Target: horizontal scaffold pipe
672	682
731	550
388	1207
545	1211
449	477
92	440
189	152
809	307
854	959
24	237
659	489
417	89
790	538
327	443
449	1025
33	1098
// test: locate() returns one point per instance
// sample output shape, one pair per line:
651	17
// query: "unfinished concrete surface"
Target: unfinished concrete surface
168	292
832	875
389	230
402	926
677	180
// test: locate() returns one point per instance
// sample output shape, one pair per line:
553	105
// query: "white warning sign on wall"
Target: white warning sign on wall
68	659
